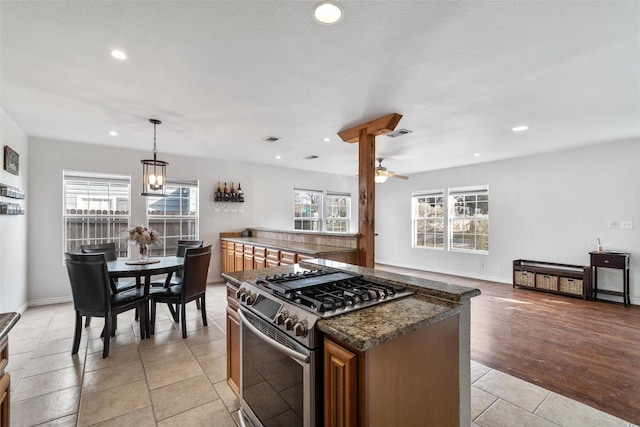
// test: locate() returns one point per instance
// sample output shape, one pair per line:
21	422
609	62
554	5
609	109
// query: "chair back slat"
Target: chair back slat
109	250
89	280
196	268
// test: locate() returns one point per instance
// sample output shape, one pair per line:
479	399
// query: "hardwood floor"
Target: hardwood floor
586	350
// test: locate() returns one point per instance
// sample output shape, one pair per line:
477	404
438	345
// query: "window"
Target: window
307	209
337	212
428	219
469	219
96	210
175	216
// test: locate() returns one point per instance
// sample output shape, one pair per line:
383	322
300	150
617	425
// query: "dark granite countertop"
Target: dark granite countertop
371	326
7	320
297	247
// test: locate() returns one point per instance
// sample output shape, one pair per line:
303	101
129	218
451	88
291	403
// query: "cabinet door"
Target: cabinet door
230	255
248	262
340	386
259	262
233	350
239	261
272	262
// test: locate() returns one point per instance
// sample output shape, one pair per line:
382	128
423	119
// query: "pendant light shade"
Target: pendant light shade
154	172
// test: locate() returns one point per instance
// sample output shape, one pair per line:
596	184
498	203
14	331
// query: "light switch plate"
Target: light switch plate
611	224
626	224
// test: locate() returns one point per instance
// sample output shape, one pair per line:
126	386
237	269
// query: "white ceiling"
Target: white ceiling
222	75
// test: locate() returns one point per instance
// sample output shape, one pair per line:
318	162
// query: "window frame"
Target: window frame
191	217
318	219
344	220
473	220
416	218
114	221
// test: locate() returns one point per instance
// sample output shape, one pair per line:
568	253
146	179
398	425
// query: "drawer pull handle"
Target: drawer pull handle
606	261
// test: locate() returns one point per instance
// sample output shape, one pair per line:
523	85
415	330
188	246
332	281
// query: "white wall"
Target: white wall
548	207
268	194
13	228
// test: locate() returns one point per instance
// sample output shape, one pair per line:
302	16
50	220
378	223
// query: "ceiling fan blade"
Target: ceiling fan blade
394	175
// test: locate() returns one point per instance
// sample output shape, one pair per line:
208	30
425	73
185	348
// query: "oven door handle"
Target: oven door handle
286	350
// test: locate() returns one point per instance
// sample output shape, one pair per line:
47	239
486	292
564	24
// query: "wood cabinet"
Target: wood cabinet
340	386
405	381
233	340
5	383
248	258
288	258
566	279
237	256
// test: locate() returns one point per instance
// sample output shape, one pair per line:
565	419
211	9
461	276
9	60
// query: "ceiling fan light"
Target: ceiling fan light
379	179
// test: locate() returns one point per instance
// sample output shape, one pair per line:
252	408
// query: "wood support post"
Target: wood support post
366	199
365	135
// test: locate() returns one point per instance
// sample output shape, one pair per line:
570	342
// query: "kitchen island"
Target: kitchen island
403	361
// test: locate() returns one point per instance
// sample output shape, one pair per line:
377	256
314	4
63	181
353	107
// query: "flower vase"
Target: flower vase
144	253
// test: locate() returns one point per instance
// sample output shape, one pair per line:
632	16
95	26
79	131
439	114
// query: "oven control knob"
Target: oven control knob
240	294
280	317
290	321
250	297
300	329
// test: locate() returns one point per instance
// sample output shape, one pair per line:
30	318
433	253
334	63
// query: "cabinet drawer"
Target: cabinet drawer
273	254
288	257
608	260
239	247
248	249
260	251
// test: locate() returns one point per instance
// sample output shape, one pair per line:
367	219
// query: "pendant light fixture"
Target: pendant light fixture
154	172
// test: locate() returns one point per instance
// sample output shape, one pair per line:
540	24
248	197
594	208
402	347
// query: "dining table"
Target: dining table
125	267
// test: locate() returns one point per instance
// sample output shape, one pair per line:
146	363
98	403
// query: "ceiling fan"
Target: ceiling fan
382	173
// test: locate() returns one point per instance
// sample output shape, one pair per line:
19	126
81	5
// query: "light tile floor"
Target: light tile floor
168	381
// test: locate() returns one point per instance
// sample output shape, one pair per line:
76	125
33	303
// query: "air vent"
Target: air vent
397	133
271	139
311	157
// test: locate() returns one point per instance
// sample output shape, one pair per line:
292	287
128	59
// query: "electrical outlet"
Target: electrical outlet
626	224
611	223
481	266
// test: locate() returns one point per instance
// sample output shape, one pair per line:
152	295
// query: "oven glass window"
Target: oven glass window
272	383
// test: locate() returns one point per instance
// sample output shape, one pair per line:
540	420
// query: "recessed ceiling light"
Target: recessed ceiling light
476	154
327	139
278	156
520	128
327	13
113	133
118	54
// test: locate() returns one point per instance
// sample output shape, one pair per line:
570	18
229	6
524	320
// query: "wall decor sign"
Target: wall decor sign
11	160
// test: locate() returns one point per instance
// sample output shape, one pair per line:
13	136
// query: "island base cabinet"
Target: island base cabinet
233	340
413	380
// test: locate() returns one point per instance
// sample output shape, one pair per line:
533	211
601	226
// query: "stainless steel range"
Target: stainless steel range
279	343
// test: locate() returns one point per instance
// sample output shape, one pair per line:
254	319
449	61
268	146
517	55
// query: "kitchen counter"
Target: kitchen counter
7	321
297	247
372	326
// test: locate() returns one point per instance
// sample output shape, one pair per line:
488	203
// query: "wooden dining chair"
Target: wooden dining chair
92	296
192	288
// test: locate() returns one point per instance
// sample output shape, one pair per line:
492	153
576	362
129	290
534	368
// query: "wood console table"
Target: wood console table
617	260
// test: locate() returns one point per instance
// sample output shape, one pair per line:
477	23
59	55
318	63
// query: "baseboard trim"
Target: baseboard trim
47	301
